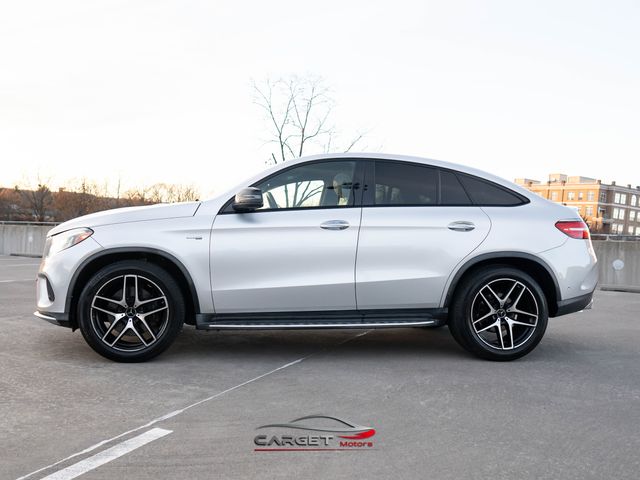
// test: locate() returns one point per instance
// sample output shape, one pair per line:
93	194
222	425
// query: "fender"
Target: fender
126	250
507	255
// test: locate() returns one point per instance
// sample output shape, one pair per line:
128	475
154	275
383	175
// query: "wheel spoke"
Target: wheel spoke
500	301
483	317
494	324
135	330
506	297
500	334
514	304
145	315
515	310
113	324
139	303
126	327
130	297
110	300
493	310
510	330
144	322
511	321
105	311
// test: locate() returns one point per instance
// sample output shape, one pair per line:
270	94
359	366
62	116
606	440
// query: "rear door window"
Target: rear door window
405	184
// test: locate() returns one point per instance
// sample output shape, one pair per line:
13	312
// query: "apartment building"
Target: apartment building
607	208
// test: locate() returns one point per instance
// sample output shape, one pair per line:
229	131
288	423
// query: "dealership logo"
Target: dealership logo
314	433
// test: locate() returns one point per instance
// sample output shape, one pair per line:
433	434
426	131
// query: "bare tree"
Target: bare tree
162	193
36	200
80	197
298	111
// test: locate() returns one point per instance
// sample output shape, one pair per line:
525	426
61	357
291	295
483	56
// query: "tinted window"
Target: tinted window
451	191
405	184
487	193
323	184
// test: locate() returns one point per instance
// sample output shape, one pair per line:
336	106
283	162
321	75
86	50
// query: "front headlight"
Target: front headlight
64	240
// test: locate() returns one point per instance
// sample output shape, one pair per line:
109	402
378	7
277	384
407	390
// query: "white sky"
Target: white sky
159	91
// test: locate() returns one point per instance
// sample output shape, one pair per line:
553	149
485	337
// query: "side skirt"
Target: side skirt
316	320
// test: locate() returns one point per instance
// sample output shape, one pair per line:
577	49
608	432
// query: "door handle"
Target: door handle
461	226
334	225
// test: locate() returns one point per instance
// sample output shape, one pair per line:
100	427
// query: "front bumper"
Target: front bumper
61	319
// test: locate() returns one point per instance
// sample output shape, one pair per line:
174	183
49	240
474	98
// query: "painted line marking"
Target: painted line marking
182	410
13	281
108	455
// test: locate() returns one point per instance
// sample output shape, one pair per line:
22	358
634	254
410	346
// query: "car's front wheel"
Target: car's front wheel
499	313
131	311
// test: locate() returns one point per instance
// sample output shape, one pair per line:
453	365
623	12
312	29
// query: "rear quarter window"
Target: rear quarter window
485	193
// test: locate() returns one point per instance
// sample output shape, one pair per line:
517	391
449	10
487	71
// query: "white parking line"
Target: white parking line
12	281
182	410
108	455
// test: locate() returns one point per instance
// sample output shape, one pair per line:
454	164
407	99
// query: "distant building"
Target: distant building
613	209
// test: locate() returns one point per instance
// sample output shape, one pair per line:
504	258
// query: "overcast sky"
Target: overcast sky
160	91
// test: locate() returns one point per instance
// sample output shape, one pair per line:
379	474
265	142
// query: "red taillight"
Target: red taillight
575	229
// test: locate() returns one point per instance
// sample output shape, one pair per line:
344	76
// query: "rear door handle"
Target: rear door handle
461	226
335	225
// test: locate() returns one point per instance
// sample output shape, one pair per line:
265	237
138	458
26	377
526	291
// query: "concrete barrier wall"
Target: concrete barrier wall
619	261
23	239
619	264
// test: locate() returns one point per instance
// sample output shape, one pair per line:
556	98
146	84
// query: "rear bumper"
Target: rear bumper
61	319
575	304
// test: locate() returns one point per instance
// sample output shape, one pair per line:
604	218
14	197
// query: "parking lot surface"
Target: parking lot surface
568	410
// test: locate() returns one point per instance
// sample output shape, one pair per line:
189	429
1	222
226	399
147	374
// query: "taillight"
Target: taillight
574	228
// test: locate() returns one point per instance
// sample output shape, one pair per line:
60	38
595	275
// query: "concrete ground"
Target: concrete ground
570	409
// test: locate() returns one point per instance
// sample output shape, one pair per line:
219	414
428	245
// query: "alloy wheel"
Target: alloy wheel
504	314
129	313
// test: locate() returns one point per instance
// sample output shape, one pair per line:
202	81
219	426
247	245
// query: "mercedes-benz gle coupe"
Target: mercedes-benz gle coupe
333	241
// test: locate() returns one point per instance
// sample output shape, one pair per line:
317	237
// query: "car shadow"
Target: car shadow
192	344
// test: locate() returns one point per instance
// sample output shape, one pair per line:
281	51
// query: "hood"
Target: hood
129	214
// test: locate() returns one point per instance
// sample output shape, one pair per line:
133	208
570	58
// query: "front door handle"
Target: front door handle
461	226
335	225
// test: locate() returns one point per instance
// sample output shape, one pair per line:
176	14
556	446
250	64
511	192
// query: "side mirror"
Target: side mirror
247	200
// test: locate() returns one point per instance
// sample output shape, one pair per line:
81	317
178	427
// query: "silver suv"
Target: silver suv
331	241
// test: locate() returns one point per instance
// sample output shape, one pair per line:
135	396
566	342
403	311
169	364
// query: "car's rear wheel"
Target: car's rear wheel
499	313
131	311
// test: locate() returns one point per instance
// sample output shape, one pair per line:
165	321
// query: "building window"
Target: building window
632	216
580	195
571	196
630	230
589	211
634	200
554	196
603	197
616	228
591	196
618	213
637	230
620	198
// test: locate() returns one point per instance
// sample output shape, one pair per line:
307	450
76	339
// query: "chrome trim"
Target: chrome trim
278	326
46	317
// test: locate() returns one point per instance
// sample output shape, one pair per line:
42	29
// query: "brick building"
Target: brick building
613	209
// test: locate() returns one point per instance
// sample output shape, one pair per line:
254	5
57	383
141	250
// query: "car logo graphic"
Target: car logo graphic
347	430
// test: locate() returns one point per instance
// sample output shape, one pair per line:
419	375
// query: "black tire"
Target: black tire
136	325
504	326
